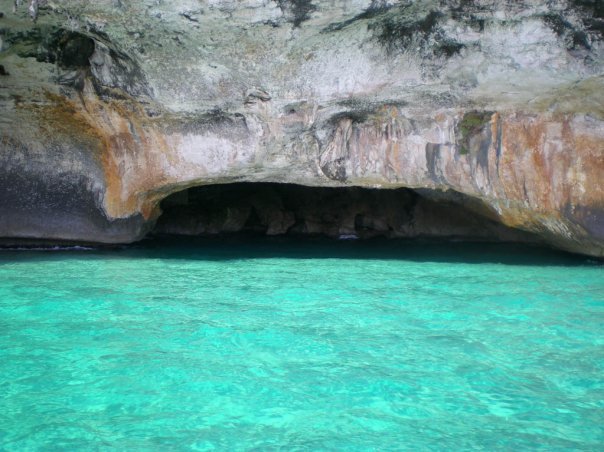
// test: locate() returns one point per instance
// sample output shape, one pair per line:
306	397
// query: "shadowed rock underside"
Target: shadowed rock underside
109	107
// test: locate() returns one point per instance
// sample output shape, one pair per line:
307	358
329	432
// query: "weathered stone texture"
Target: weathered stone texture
108	107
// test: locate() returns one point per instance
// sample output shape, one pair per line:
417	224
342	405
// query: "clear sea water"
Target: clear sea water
312	345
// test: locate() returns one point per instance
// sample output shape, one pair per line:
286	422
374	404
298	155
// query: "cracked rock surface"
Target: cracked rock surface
109	107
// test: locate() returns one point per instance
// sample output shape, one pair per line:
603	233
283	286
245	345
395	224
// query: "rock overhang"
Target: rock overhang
502	103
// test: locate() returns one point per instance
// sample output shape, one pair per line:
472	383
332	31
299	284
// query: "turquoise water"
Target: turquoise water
308	346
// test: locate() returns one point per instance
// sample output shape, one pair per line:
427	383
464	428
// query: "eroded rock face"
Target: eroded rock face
109	107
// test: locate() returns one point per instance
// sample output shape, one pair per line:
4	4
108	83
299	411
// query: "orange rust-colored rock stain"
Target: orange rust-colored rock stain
540	165
124	140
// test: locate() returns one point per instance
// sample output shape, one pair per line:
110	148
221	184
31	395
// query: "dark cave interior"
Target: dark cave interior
338	212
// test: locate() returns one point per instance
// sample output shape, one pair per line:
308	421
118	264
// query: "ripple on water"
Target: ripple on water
321	345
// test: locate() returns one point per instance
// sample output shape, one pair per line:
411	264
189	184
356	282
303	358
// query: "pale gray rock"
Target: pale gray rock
111	106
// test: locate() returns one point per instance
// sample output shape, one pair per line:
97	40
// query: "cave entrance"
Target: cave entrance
342	212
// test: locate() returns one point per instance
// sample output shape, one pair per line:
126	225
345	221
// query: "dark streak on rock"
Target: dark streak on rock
298	10
125	72
498	142
432	158
524	191
482	157
400	30
356	117
374	10
214	120
190	16
68	49
573	37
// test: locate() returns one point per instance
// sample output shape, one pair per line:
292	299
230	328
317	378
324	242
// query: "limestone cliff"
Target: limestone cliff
108	107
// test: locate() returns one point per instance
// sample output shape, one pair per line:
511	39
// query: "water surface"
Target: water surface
303	346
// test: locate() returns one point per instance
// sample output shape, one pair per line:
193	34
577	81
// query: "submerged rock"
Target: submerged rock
110	107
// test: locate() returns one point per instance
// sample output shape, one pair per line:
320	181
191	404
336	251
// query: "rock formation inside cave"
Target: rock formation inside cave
337	212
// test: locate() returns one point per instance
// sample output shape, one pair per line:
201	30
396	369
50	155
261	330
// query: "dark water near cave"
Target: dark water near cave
301	345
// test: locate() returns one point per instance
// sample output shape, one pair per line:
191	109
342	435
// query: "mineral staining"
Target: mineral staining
118	105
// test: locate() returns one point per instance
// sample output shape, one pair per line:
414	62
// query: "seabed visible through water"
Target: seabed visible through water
303	345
